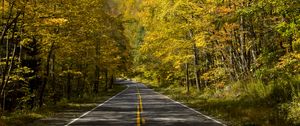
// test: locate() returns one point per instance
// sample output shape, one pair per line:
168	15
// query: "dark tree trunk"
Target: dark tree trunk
79	90
97	70
187	78
106	80
69	88
290	40
42	89
111	82
96	82
53	81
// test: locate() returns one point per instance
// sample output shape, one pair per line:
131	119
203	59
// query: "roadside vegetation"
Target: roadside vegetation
30	117
239	105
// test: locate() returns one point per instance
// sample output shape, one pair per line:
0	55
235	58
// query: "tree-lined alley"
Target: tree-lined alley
225	51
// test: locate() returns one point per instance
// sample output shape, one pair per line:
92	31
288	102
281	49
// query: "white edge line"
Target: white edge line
214	120
74	120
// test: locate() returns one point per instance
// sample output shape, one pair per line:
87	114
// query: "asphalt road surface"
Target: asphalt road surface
140	106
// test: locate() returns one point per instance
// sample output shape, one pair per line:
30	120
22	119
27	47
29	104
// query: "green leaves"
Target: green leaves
287	29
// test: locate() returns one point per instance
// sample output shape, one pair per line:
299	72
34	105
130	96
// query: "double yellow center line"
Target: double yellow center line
139	119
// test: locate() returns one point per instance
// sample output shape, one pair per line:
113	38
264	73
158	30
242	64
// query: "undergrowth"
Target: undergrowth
244	103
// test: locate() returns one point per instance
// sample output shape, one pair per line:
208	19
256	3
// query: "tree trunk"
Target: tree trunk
84	79
8	67
242	39
196	64
187	77
7	27
290	40
69	86
158	80
96	82
97	70
106	80
42	89
111	81
232	73
53	81
3	34
7	78
79	90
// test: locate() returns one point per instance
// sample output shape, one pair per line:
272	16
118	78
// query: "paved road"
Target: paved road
140	106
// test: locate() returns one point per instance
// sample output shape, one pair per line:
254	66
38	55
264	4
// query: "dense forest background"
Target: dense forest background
243	51
58	49
239	59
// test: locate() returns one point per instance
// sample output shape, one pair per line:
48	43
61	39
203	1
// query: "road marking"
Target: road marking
214	120
192	109
138	116
139	120
74	120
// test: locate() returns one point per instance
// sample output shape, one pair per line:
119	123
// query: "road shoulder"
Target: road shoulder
64	115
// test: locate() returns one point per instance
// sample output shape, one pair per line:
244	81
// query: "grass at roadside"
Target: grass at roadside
25	117
238	110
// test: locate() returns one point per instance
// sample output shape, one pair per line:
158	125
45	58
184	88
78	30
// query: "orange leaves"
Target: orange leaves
290	62
223	10
231	26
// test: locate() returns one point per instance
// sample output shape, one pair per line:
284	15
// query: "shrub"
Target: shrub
257	90
292	110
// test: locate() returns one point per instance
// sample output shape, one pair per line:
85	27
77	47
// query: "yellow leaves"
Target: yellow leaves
144	15
6	6
200	41
153	37
71	73
297	56
214	74
147	3
55	21
177	64
25	41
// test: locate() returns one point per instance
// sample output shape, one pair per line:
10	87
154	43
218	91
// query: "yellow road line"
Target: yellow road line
141	103
139	119
138	116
